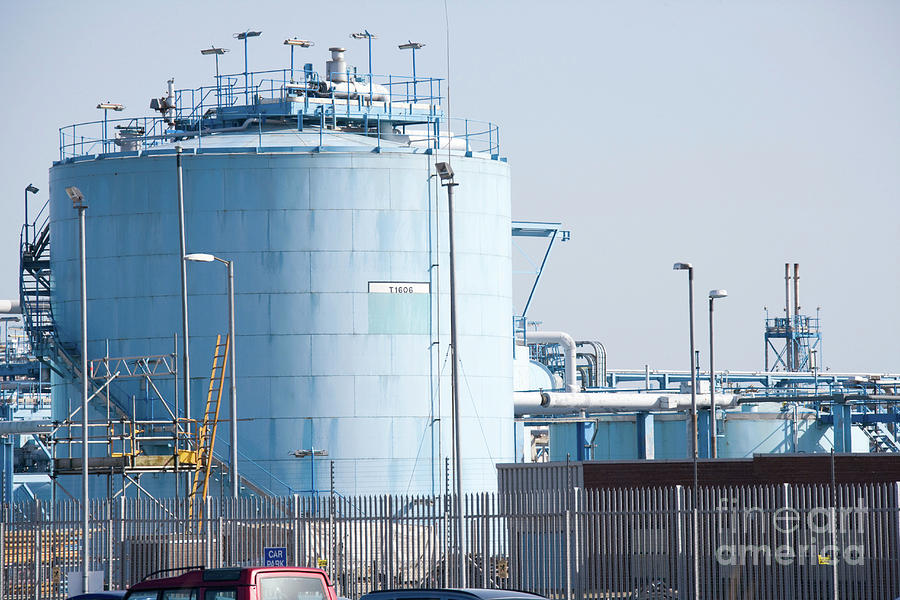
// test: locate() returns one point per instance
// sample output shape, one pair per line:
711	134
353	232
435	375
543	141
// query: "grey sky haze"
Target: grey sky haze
734	135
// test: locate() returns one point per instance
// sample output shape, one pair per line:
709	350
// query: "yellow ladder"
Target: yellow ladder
207	431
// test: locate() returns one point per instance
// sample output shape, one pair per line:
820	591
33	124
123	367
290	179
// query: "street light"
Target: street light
199	257
292	42
412	46
245	35
29	188
106	107
679	266
78	203
369	36
217	52
445	173
713	295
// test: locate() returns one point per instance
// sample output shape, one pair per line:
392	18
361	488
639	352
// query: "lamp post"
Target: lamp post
690	269
445	173
713	295
106	107
78	203
217	52
232	371
292	42
412	46
245	35
33	190
369	36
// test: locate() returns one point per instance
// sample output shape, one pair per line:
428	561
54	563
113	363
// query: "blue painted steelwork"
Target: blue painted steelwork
800	332
314	198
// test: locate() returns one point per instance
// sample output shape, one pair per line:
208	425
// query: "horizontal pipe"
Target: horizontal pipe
25	427
10	307
561	403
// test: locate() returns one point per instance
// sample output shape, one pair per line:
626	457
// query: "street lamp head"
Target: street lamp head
31	189
364	35
718	294
444	171
680	266
111	106
213	50
411	45
298	42
247	34
199	257
75	196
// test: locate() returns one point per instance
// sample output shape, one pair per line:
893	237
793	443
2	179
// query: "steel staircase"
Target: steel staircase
880	437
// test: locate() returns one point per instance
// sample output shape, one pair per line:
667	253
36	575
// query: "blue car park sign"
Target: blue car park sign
275	557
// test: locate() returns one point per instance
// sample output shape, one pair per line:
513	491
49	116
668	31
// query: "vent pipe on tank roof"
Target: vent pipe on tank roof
336	68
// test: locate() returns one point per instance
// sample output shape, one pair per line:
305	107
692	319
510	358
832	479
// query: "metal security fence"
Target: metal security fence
778	542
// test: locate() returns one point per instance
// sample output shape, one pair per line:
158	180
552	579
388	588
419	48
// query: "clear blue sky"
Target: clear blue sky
735	135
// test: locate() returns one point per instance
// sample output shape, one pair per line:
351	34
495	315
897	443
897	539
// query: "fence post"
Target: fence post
568	554
3	560
109	542
295	516
123	582
36	524
209	522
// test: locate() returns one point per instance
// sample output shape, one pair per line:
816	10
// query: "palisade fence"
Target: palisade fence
780	541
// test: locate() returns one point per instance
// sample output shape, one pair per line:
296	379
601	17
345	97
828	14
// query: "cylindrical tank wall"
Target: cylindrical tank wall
743	434
322	363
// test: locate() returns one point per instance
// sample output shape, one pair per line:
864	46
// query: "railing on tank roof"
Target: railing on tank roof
411	105
434	133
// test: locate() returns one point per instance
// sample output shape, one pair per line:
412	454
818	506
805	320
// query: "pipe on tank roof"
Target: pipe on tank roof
568	345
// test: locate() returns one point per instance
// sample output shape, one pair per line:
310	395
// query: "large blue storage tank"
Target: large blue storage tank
310	219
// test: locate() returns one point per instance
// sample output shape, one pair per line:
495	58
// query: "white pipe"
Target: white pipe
568	345
558	403
24	427
10	307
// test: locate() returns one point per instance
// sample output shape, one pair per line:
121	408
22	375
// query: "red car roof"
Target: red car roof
226	576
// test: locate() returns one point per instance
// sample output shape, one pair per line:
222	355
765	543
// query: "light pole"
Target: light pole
33	190
106	107
369	36
292	42
232	371
78	203
185	334
245	35
412	46
690	269
713	295
217	52
445	172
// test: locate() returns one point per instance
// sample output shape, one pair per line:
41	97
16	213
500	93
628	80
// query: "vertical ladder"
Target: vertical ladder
207	430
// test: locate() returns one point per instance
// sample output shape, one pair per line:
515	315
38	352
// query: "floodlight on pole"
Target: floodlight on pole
245	35
410	45
208	258
366	35
217	52
29	188
713	447
445	173
293	42
106	107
